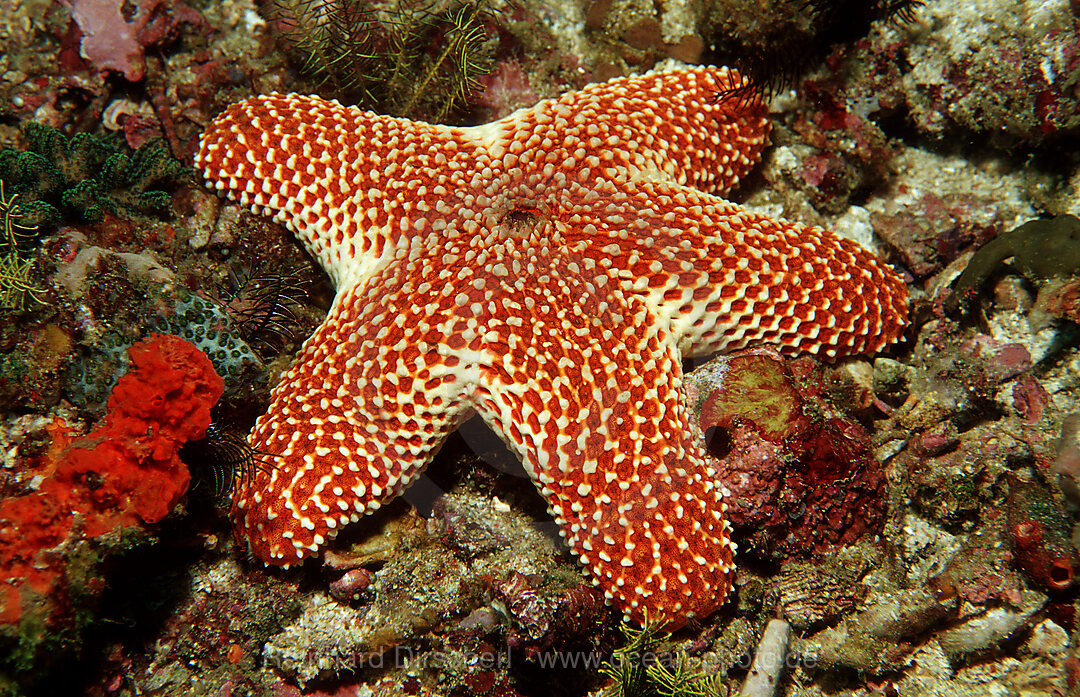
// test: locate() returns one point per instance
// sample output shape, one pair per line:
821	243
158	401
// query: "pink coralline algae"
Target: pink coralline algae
115	35
123	474
802	477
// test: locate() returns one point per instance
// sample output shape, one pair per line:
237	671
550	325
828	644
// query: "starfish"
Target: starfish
547	271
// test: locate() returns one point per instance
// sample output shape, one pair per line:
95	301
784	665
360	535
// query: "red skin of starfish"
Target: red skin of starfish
547	271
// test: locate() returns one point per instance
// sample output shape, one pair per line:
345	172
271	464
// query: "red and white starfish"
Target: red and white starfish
547	271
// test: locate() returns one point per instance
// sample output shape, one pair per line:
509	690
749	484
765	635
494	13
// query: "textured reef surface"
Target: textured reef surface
907	521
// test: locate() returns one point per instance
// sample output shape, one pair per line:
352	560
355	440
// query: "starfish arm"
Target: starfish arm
595	411
724	277
660	126
352	423
336	176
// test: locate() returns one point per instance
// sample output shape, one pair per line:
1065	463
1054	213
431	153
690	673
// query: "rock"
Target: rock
988	630
801	475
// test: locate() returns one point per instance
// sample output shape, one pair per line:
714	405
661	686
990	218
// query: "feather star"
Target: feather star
548	271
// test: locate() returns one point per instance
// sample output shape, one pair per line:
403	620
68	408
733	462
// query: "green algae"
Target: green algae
1039	249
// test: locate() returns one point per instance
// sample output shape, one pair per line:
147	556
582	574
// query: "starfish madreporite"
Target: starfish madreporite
548	271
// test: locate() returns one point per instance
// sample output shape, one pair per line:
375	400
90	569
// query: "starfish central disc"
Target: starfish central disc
547	271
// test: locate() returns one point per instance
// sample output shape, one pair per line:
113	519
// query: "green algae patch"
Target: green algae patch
1039	249
757	391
